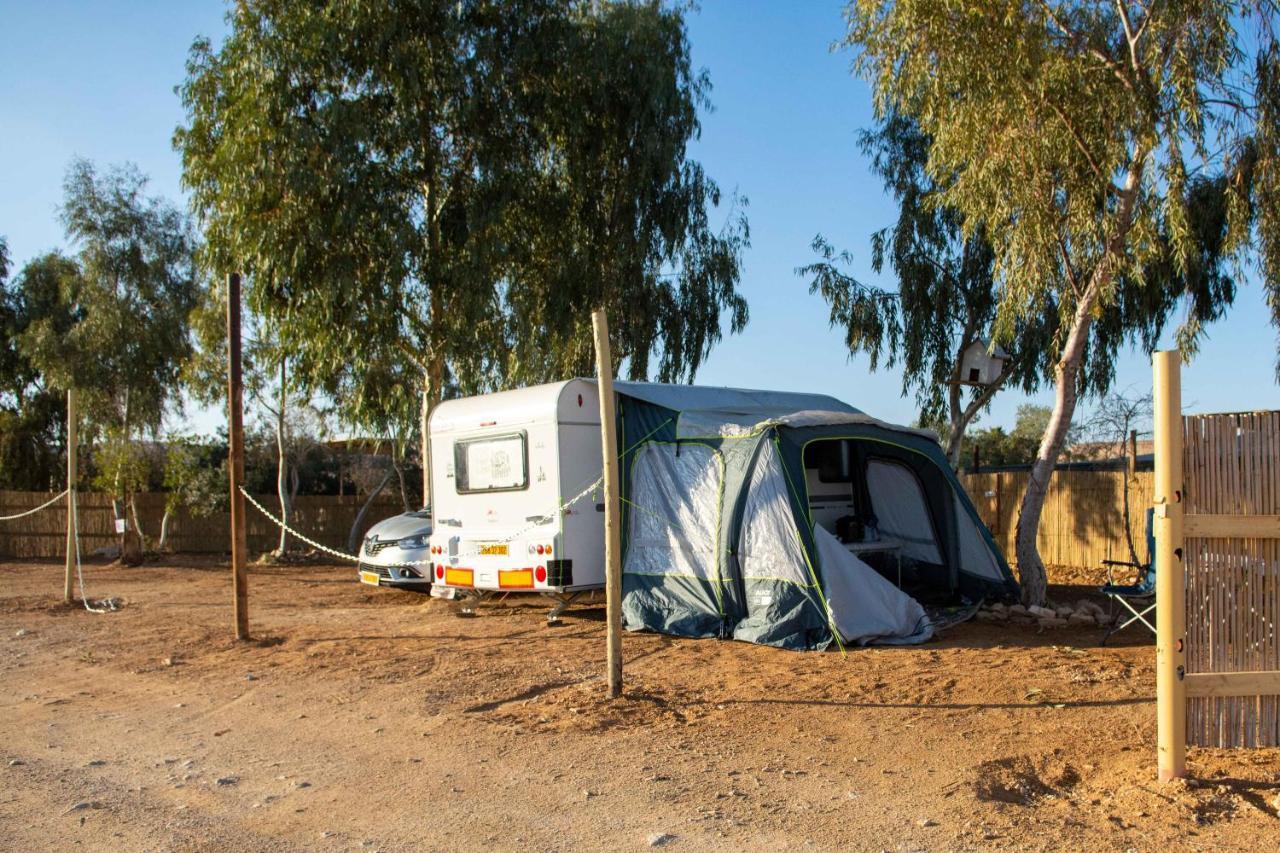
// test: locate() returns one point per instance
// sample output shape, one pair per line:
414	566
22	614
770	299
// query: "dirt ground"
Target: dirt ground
372	719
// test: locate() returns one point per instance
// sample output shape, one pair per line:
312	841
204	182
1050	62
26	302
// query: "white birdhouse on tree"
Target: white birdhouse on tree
980	367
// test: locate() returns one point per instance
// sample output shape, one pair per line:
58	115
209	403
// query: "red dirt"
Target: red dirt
378	719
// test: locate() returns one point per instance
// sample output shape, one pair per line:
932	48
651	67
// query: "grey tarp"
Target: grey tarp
865	608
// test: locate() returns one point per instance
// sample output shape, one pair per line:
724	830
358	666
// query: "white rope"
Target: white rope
342	555
50	502
313	543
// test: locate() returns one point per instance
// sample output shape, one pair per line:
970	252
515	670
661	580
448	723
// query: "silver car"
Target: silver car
391	545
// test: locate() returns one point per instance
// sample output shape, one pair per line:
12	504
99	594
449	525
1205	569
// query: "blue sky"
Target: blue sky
96	80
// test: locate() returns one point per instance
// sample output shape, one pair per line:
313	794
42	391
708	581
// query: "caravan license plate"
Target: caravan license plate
370	578
493	550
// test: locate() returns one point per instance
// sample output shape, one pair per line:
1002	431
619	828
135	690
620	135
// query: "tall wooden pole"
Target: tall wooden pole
73	444
1171	591
612	528
235	434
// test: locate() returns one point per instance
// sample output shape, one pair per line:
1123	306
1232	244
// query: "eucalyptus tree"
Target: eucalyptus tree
945	299
452	185
1110	153
116	324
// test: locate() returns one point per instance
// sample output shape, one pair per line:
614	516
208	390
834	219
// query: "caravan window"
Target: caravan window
491	463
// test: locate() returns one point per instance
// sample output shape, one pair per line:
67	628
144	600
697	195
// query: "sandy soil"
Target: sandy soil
372	719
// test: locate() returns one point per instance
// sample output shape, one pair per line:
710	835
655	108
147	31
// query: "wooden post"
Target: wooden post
1171	593
612	528
73	443
235	416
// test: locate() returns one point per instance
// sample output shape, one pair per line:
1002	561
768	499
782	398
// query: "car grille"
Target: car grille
373	547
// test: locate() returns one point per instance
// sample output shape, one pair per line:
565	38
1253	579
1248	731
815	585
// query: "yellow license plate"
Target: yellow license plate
493	550
370	578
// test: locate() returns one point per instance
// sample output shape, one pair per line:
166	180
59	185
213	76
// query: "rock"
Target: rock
1081	619
660	839
986	616
16	762
1042	612
997	607
21	632
925	822
1017	610
97	762
250	677
228	780
587	793
1051	622
171	660
84	804
303	785
1064	612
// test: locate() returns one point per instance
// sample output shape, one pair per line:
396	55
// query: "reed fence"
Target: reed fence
325	518
1083	519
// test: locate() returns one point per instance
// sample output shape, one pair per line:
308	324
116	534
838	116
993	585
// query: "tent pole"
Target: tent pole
613	533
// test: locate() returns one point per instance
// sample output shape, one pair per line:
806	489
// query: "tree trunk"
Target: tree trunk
1035	580
353	538
282	461
164	530
432	388
398	465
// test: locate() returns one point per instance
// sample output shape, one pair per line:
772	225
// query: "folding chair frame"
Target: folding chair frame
1138	615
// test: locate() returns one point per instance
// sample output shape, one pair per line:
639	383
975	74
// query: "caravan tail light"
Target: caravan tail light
538	549
548	550
439	572
541	574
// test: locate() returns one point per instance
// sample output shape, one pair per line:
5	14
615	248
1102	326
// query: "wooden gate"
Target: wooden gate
1232	564
1217	525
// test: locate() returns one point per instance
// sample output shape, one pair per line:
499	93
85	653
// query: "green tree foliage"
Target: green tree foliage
434	193
945	299
113	321
1114	155
997	446
32	416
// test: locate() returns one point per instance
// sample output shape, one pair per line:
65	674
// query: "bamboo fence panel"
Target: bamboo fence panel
1083	519
325	518
1233	585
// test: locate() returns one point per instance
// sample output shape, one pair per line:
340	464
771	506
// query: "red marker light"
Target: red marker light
539	549
541	574
439	572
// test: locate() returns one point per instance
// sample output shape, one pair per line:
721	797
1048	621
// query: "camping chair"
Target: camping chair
1135	595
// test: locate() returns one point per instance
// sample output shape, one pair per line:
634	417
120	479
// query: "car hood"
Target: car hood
398	527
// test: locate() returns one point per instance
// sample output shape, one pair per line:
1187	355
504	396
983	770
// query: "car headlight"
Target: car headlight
411	543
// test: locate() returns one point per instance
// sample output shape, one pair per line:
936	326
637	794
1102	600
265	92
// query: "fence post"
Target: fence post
235	435
1171	593
612	532
73	425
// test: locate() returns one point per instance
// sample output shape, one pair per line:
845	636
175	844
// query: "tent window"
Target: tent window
975	555
675	511
898	501
770	546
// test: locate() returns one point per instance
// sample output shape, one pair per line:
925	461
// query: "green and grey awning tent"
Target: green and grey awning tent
790	520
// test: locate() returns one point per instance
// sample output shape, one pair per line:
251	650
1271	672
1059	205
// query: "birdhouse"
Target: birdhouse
980	367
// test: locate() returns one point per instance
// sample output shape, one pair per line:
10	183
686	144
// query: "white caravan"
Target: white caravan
501	465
